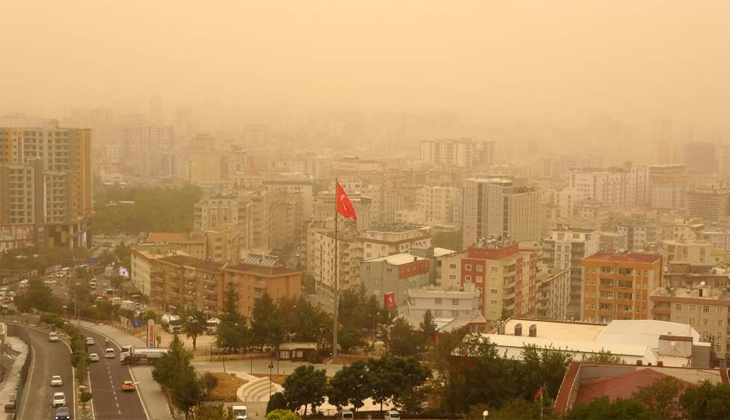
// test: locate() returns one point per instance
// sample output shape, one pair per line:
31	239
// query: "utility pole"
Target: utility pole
335	294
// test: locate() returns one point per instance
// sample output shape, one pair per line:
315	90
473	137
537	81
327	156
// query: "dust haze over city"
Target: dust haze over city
419	209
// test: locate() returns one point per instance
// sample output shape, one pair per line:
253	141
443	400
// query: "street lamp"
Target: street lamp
271	367
485	413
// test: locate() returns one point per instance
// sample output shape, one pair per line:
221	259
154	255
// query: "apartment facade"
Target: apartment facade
440	205
709	203
554	295
320	258
497	208
381	241
462	153
667	187
504	276
702	301
451	309
563	250
46	183
616	286
393	275
621	187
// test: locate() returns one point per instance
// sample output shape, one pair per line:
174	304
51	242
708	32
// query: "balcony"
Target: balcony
261	284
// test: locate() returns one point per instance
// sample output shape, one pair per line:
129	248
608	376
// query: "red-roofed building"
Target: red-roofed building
617	285
584	382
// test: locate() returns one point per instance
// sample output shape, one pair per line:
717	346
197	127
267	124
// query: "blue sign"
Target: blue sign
137	322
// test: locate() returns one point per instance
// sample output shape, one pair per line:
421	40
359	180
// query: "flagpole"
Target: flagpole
335	294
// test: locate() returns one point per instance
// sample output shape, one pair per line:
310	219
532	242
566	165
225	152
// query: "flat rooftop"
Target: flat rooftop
630	257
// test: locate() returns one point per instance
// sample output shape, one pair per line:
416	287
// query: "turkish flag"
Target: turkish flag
344	205
389	300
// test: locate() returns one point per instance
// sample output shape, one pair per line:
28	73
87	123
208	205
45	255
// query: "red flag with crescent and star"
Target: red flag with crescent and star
344	205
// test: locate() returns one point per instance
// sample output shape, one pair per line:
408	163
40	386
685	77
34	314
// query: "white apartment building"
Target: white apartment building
619	187
440	205
553	295
719	237
295	184
378	242
463	153
563	250
320	259
450	308
498	207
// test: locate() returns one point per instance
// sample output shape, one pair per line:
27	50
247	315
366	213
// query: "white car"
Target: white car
109	353
53	337
89	341
94	357
392	415
56	380
59	399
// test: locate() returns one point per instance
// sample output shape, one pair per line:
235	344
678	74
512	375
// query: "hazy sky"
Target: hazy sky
542	59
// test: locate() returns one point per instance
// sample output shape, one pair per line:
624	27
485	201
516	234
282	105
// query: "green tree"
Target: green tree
188	390
447	368
85	397
169	366
603	356
706	401
38	296
349	338
266	328
397	379
282	415
276	402
194	323
662	397
303	322
428	327
350	385
305	386
541	369
149	314
603	409
232	332
402	340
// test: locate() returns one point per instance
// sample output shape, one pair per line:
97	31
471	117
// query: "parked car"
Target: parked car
392	415
59	399
347	415
53	337
94	357
56	380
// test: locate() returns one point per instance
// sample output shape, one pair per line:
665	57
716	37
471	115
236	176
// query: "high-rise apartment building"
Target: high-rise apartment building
667	187
709	203
440	205
554	295
46	184
463	153
621	187
617	285
504	275
563	250
497	208
701	157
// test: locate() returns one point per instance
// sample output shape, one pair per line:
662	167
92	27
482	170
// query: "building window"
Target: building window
691	321
493	291
467	278
467	267
455	302
455	313
452	266
494	269
678	307
438	313
438	301
480	268
705	321
719	322
492	302
706	309
720	310
691	308
678	319
452	276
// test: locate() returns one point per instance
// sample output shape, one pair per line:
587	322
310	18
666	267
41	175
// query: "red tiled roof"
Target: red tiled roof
622	386
633	257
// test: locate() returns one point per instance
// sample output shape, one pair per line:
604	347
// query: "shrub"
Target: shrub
316	357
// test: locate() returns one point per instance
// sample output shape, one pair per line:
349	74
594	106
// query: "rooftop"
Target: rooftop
186	261
398	259
710	293
628	257
174	237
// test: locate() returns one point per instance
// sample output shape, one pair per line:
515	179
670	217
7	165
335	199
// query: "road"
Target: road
48	359
106	376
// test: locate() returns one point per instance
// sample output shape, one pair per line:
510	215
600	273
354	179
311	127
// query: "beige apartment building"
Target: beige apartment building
46	183
702	301
440	205
497	208
616	285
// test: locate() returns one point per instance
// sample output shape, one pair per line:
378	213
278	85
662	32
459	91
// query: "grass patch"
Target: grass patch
225	389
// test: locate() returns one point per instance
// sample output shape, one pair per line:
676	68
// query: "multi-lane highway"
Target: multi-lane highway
107	375
48	359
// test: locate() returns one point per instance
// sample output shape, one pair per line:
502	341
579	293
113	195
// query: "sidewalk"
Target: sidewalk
152	397
13	364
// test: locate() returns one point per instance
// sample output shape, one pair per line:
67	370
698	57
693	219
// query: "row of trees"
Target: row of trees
178	377
395	379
